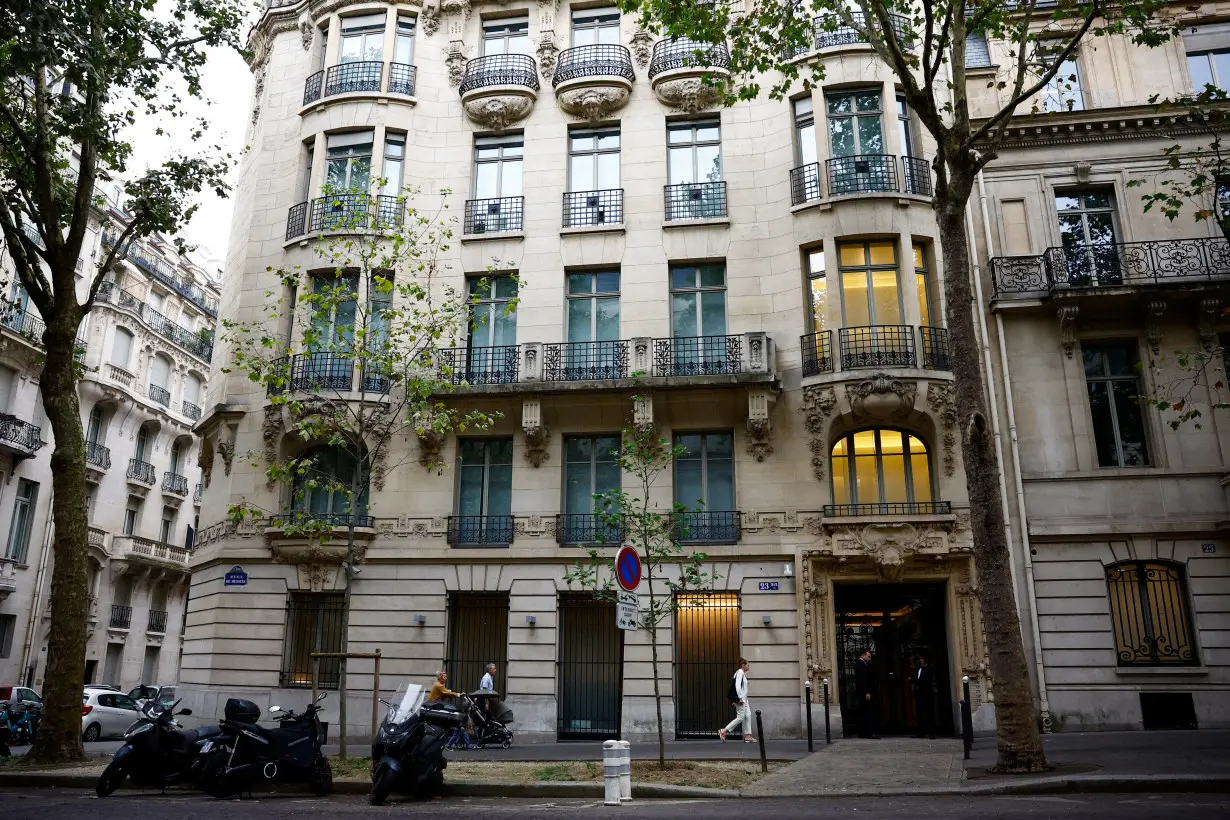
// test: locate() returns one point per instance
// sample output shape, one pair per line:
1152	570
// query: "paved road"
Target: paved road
67	804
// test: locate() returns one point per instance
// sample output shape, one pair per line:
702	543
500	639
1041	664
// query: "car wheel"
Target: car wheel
93	732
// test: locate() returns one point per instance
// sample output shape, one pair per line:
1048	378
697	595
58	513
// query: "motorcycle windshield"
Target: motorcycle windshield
405	703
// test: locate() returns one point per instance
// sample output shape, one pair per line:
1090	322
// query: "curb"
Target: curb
1070	784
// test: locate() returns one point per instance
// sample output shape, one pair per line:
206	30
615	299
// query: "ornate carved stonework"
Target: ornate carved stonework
593	103
226	447
431	444
944	406
641	46
759	427
499	111
690	95
642	412
537	437
430	18
306	33
455	60
547	51
317	577
1153	325
818	403
1067	328
271	434
459	7
881	396
1210	309
205	460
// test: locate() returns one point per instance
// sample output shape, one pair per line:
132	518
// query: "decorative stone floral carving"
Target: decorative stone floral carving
818	403
459	7
1153	325
537	437
642	413
306	34
455	60
759	427
226	447
939	396
641	46
690	95
431	444
429	19
888	545
881	396
594	103
547	52
1067	328
498	111
271	433
1210	310
205	460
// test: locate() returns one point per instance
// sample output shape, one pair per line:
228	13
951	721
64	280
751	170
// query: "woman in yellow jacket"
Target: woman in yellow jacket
439	691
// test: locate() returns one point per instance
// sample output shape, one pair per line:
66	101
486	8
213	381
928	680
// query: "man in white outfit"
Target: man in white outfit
743	710
487	684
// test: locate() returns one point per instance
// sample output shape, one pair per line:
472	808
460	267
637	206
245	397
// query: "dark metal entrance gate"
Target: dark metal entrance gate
591	655
477	636
896	622
706	656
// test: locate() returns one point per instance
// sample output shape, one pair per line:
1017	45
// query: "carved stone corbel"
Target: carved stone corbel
642	413
455	60
226	446
641	46
537	437
547	52
818	403
1210	308
1153	325
881	396
271	434
943	404
759	426
430	17
205	459
431	441
1067	328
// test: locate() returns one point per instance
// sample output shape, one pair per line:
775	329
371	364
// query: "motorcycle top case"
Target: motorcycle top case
242	711
441	714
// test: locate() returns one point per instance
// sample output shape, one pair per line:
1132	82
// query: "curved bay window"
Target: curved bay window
1150	614
319	493
881	472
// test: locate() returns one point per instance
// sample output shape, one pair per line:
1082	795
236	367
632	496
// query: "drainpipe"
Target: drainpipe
32	625
1026	549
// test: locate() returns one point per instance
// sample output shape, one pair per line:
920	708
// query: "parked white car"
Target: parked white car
105	713
162	695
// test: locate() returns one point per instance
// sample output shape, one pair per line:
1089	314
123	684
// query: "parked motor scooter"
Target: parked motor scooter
157	753
408	750
247	753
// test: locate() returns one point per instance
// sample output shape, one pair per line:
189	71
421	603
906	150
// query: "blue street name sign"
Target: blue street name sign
236	578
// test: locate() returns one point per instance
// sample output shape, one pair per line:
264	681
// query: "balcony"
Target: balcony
593	209
19	438
24	323
831	32
817	352
164	272
150	552
480	530
499	89
863	174
805	184
891	508
695	200
121	616
96	537
356	213
199	343
8	577
157	621
593	81
916	173
309	372
875	346
141	473
936	352
707	527
359	78
192	411
582	529
677	65
698	355
585	361
175	484
97	460
160	394
481	365
500	215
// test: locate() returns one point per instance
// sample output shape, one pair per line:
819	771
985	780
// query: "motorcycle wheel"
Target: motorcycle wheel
435	782
322	778
382	786
110	779
214	781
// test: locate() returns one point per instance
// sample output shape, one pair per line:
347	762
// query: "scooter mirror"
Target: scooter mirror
185	711
275	709
322	697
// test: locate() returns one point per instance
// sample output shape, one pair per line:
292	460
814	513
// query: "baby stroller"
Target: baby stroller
490	717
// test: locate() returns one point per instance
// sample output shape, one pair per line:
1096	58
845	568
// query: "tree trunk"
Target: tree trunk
59	737
1018	735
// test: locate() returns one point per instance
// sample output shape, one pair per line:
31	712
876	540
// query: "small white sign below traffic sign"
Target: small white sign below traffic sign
627	611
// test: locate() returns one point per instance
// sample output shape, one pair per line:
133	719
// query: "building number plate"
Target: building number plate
768	586
1208	549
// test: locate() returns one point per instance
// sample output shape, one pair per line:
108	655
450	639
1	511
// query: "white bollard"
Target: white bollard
610	771
625	771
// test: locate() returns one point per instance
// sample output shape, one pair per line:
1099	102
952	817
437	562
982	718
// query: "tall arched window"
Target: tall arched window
1150	614
322	502
121	347
875	469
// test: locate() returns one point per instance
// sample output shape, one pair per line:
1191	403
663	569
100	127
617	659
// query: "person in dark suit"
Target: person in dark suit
864	687
924	697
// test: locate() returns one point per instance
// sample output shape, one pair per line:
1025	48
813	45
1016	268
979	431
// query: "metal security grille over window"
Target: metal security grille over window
477	636
706	656
590	669
1118	420
313	624
1150	612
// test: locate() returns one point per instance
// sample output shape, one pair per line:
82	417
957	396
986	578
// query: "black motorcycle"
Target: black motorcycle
247	753
408	750
157	753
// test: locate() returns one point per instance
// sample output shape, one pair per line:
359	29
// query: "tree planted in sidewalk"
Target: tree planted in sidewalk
359	372
73	76
672	573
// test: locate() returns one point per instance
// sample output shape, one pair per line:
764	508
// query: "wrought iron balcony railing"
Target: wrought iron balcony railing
862	174
500	69
877	346
669	55
192	411
200	343
164	272
142	471
160	394
24	323
698	355
890	508
121	616
344	212
817	352
480	530
707	527
589	208
157	621
936	351
96	455
481	365
695	200
402	77
493	215
351	78
585	361
805	183
577	529
312	371
301	518
916	172
175	484
20	434
828	36
1019	274
598	60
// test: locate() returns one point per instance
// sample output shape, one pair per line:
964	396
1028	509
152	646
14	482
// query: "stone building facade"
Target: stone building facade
760	284
146	348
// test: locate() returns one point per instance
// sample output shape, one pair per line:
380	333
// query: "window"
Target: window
313	624
977	52
922	284
817	286
595	27
131	514
705	484
694	152
905	133
590	469
1150	613
1118	420
8	625
869	291
192	389
157	300
177	457
506	36
121	347
323	492
142	444
497	167
403	46
23	520
880	467
159	371
1063	92
484	492
305	179
1209	68
594	351
7	378
698	300
349	166
495	314
805	178
855	126
362	39
1087	233
167	525
593	160
394	156
333	315
324	49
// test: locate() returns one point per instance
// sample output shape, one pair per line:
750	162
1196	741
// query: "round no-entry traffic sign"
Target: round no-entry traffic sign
628	568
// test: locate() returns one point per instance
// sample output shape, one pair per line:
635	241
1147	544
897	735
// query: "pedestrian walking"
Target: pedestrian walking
924	698
487	684
864	687
440	690
737	695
